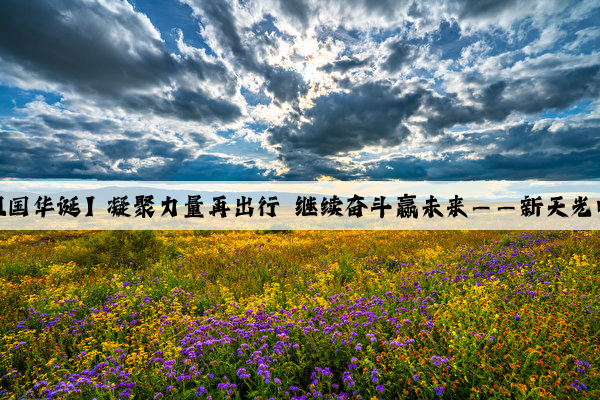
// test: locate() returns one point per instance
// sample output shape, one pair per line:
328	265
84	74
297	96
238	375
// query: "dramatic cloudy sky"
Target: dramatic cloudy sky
300	89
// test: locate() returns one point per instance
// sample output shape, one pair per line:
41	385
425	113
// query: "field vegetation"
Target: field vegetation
299	314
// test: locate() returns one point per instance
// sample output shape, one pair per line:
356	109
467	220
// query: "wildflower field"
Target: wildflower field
303	314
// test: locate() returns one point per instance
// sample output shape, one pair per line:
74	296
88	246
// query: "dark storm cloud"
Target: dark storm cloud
69	128
209	168
576	165
474	8
374	114
307	166
399	55
552	90
41	144
370	115
446	111
526	137
60	156
218	14
304	13
381	7
112	53
187	105
346	64
77	44
522	151
351	120
73	123
284	85
23	157
122	148
126	148
48	124
543	90
297	9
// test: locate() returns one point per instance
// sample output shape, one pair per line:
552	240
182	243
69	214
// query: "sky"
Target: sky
300	90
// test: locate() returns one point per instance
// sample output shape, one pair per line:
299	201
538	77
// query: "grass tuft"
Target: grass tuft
279	227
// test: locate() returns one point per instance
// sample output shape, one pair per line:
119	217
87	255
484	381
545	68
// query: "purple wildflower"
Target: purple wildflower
374	374
579	385
242	374
40	383
583	366
348	379
263	370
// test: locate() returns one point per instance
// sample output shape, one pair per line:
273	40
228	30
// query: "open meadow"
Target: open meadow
299	314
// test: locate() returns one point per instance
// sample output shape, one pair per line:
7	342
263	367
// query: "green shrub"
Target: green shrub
204	230
119	247
506	241
14	269
279	227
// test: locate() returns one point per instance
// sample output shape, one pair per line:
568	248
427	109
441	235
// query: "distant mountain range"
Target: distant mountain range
103	195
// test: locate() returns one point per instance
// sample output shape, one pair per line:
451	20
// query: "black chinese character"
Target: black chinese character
18	206
331	206
580	207
379	204
556	206
68	207
193	206
431	206
506	208
43	206
118	206
271	204
143	205
455	207
355	209
407	207
90	201
306	207
220	207
241	207
531	206
170	206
